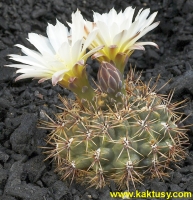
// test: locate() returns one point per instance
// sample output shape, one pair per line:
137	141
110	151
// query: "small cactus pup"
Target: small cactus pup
120	139
122	130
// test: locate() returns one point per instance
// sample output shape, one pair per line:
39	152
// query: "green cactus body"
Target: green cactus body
117	141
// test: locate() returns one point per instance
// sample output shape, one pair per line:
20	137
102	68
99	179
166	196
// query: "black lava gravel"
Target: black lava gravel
23	173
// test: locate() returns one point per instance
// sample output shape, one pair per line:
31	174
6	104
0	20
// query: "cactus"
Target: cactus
120	140
119	131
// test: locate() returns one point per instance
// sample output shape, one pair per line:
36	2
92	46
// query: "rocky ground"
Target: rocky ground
23	174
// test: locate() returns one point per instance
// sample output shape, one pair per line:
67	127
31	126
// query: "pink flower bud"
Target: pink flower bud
109	77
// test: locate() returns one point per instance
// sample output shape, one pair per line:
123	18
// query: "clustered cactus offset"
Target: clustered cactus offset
121	130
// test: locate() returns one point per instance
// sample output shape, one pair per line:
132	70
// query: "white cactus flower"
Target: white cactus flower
57	54
119	32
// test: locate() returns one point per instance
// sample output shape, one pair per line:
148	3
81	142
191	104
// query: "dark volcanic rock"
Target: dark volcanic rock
59	189
3	178
3	156
21	138
188	6
20	189
38	13
6	74
34	168
181	84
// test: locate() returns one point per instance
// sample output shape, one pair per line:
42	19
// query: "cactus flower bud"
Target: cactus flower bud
110	79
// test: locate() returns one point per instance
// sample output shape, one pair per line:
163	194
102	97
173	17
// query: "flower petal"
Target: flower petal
146	30
89	39
64	52
147	43
31	73
92	52
41	43
27	60
104	34
149	20
57	76
77	27
31	53
75	51
57	34
138	47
